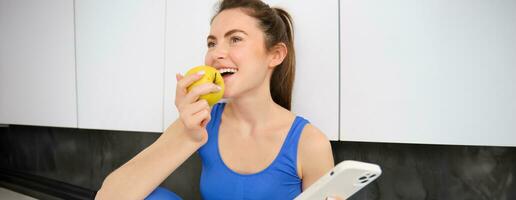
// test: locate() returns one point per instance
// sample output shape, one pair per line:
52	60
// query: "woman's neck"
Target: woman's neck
253	109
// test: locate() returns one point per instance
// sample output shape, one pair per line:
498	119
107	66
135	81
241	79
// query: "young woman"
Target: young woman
253	146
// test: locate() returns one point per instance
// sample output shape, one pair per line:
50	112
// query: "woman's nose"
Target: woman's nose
219	53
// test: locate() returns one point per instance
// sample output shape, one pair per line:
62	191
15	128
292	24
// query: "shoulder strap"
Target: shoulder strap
292	140
216	113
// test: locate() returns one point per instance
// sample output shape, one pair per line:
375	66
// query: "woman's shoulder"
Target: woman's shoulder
314	154
312	137
313	143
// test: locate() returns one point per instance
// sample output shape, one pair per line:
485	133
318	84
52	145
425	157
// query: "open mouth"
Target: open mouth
225	72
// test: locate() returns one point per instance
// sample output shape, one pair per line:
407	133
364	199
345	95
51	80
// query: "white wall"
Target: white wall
437	72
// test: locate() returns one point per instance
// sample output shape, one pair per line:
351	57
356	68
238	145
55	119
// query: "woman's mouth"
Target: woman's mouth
227	73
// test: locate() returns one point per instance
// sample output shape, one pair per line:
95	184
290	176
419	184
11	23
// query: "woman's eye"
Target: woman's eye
235	39
211	44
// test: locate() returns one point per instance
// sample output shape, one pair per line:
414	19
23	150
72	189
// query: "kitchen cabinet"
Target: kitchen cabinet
120	63
37	63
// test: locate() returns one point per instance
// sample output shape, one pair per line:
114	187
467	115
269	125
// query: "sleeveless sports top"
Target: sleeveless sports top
278	181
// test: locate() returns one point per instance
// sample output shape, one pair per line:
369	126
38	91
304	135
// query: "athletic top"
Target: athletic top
278	181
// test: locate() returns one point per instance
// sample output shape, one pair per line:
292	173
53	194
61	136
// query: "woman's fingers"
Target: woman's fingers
199	90
179	76
196	120
184	82
192	114
196	107
206	120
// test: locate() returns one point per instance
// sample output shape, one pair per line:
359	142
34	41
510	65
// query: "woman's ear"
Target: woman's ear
277	54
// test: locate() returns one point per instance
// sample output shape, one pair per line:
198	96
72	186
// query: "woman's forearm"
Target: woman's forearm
143	173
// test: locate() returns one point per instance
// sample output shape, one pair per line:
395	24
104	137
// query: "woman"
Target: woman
252	147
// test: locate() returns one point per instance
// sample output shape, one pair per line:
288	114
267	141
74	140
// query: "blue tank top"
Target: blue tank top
278	181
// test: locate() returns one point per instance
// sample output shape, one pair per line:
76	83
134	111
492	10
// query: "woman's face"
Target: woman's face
236	43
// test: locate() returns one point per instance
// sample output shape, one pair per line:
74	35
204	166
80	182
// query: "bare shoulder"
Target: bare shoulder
313	142
315	156
311	137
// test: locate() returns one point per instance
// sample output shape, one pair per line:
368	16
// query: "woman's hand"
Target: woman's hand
194	113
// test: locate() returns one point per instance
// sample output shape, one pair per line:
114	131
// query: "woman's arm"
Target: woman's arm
315	157
142	174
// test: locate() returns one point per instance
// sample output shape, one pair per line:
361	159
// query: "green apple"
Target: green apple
211	75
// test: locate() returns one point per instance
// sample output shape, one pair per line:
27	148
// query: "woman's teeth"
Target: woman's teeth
226	71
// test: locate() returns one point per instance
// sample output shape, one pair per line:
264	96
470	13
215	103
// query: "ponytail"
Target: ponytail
282	79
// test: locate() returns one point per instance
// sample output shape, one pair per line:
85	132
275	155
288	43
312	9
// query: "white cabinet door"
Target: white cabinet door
37	64
316	27
120	63
437	72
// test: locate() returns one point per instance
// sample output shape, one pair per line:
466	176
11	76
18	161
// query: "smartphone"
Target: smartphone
344	180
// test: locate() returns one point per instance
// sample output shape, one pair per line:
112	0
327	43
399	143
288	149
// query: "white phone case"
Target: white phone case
343	180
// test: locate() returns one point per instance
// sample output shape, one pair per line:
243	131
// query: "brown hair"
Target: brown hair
277	25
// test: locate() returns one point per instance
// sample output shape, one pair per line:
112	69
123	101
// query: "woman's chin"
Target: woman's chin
226	95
